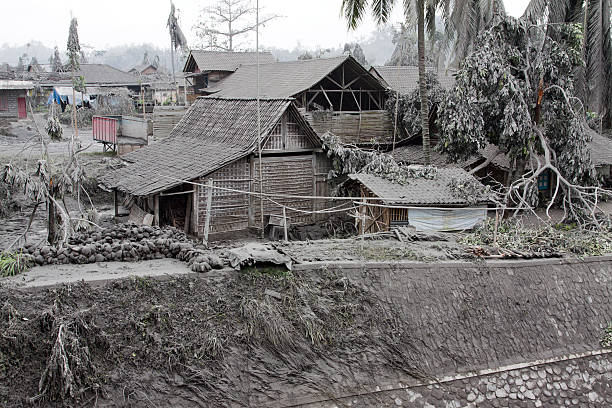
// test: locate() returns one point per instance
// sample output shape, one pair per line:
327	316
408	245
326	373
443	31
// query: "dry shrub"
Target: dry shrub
69	371
265	321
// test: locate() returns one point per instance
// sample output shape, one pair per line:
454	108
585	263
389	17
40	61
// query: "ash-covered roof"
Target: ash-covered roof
102	74
413	154
13	84
419	191
223	61
285	79
601	149
405	79
212	133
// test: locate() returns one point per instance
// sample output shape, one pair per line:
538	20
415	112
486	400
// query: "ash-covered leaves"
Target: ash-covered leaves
516	83
563	239
353	160
409	105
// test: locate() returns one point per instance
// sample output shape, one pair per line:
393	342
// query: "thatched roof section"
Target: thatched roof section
213	133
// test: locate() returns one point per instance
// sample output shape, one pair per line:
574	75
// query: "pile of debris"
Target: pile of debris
127	242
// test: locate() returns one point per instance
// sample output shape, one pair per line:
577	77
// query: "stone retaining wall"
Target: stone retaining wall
466	317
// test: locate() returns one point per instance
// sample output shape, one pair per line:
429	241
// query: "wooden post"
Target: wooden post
116	202
156	209
188	213
496	226
208	210
285	222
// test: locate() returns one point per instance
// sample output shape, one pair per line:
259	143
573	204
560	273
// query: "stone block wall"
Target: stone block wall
547	316
580	382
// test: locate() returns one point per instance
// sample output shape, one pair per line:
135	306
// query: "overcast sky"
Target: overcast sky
104	23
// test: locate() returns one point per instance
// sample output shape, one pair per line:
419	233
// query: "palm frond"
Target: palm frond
381	10
353	11
536	10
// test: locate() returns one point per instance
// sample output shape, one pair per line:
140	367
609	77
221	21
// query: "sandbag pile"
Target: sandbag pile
127	243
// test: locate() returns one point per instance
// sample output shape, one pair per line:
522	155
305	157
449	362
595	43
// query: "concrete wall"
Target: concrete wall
490	328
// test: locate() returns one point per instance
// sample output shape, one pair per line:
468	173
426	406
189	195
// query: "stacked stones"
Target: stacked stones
126	243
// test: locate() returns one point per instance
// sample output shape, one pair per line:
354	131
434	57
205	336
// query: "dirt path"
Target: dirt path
51	275
23	139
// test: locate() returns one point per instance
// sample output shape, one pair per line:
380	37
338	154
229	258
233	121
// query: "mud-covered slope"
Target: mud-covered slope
326	331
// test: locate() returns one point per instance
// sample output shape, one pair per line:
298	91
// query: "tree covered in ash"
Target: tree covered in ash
408	106
516	91
357	52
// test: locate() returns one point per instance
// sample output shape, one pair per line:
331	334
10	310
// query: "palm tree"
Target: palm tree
595	80
464	19
354	11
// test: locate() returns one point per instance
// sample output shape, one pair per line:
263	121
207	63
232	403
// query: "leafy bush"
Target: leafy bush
14	263
606	340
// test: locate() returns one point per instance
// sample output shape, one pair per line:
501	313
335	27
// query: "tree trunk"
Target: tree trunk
422	87
51	223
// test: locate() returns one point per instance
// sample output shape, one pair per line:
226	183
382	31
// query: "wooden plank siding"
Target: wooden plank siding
230	211
291	175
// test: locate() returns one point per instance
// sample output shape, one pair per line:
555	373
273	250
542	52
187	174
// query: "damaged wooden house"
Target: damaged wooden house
216	142
336	95
204	69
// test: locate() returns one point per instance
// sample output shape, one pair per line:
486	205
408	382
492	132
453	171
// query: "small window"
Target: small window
3	103
544	181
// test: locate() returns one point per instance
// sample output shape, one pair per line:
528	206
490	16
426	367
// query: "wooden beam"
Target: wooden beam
374	100
177	193
356	101
351	83
334	81
156	209
208	210
116	202
188	213
313	98
331	105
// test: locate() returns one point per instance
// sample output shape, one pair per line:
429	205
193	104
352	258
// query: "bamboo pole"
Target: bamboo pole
285	222
261	205
208	210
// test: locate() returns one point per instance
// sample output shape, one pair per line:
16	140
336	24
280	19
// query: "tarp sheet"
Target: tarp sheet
64	93
452	219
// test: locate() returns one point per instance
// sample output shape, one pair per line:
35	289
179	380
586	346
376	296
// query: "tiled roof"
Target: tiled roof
212	133
283	79
227	61
419	191
601	149
413	154
12	84
405	79
102	74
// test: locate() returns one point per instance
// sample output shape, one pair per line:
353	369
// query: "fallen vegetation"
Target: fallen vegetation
562	239
141	340
14	263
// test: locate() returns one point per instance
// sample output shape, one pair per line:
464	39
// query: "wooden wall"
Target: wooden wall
229	210
367	127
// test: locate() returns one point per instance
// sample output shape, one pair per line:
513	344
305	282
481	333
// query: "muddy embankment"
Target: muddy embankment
323	335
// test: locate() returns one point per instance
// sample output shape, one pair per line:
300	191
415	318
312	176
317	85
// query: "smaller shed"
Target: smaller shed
13	98
601	154
424	203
